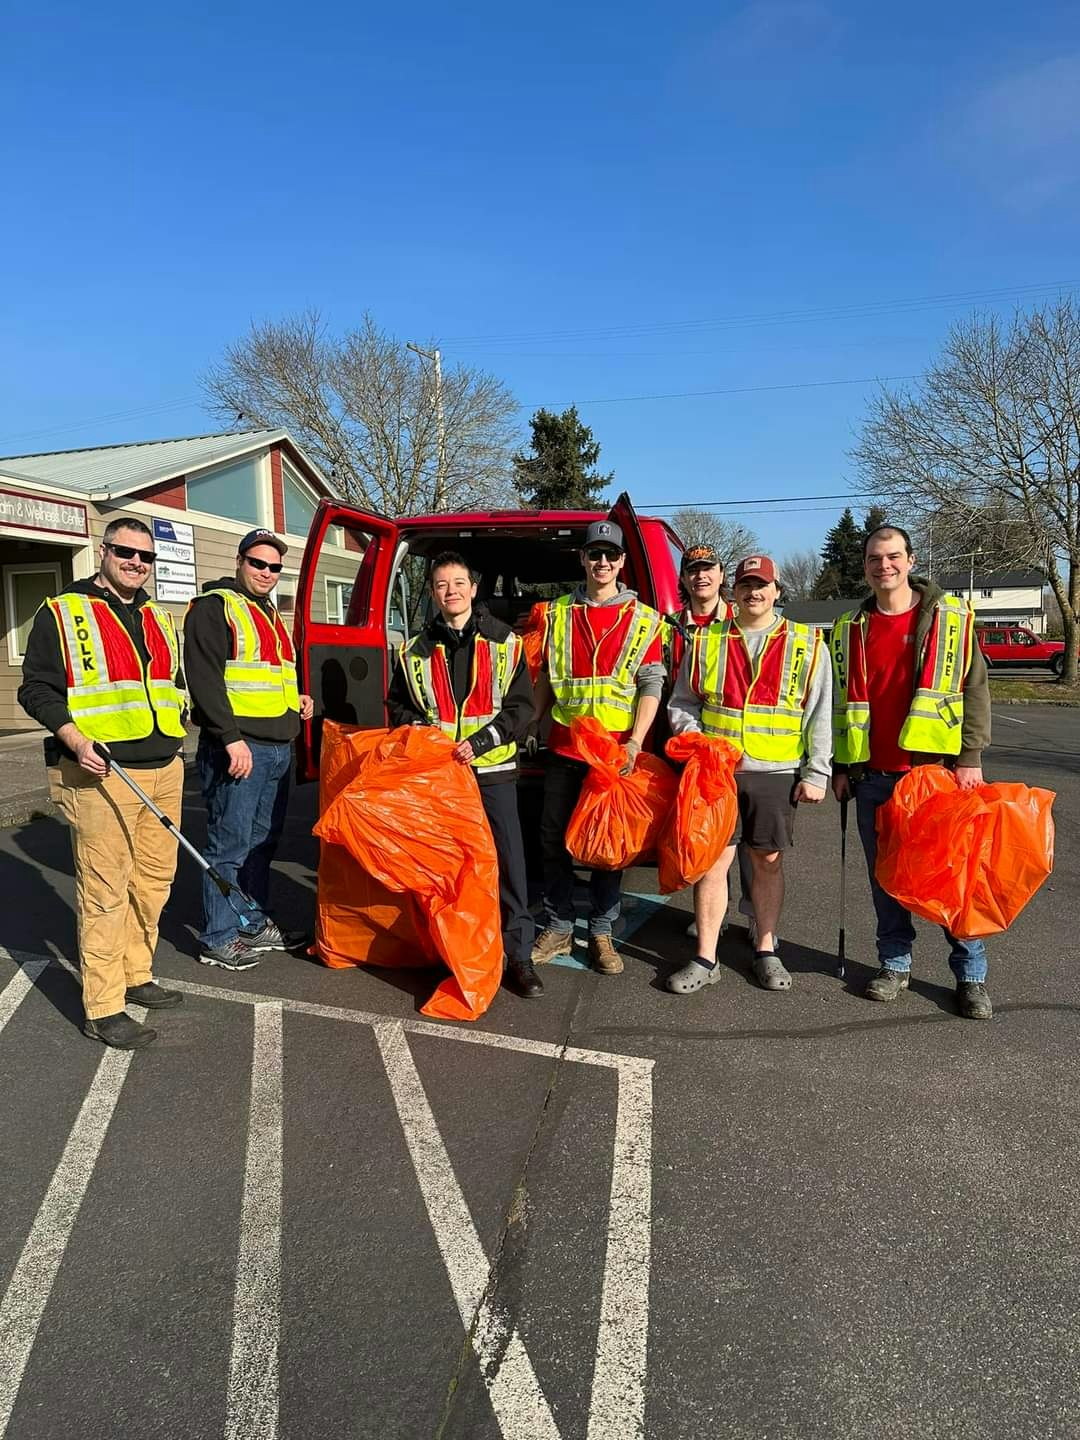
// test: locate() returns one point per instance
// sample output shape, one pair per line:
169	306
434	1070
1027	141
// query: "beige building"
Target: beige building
198	495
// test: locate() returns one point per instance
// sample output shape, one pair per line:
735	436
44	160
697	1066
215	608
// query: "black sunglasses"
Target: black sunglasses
128	552
602	553
263	565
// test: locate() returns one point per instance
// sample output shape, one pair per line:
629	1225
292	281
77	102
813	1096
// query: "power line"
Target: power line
756	500
739	390
136	414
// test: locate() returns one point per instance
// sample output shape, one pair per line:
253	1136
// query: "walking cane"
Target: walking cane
841	943
227	888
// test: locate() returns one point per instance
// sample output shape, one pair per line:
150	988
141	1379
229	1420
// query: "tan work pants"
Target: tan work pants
125	861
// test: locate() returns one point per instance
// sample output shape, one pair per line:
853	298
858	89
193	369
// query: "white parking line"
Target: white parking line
1011	718
35	1271
252	1398
516	1397
20	985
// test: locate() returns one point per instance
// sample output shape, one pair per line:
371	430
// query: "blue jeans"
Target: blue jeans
562	786
895	932
244	820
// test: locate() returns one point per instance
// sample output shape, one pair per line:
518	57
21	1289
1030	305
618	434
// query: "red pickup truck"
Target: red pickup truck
353	603
1014	646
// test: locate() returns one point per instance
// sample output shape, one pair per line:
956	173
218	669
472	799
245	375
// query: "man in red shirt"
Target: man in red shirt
883	656
601	658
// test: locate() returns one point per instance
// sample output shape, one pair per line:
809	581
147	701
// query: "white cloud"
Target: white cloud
1023	131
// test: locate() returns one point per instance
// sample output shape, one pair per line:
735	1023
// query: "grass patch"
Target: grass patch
1034	692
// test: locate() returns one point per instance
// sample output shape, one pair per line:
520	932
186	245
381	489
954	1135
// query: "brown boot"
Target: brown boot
603	955
550	943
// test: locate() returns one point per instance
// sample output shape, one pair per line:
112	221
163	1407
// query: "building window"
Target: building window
338	595
230	491
300	501
284	595
987	594
25	587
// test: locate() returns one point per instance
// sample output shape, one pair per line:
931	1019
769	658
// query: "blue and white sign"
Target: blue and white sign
175	572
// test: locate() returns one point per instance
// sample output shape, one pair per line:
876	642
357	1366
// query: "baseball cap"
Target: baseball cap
261	537
702	554
604	532
756	567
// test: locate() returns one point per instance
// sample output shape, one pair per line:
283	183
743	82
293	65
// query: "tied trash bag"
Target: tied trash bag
617	818
411	819
967	859
702	823
532	638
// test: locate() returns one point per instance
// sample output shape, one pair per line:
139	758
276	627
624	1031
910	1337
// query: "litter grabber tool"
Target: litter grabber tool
841	942
232	894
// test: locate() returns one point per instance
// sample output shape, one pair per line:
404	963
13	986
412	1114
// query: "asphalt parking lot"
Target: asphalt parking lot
609	1214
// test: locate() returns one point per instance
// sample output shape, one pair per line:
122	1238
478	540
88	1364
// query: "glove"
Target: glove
530	746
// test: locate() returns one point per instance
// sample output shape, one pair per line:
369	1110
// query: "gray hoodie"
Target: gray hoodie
650	678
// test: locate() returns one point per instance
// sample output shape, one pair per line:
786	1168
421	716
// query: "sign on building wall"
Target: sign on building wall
33	512
174	573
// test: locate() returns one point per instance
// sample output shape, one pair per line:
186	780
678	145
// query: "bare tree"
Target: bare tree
799	573
364	407
995	425
731	538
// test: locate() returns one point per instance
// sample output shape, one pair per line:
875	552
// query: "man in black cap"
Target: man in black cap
602	659
241	673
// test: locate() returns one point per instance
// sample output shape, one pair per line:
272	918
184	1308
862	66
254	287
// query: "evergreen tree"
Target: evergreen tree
841	575
560	473
875	518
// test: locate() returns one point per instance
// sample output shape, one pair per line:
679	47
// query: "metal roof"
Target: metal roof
112	470
818	612
988	579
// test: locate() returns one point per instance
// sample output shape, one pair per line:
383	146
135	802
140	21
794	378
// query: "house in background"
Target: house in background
1001	597
820	613
199	495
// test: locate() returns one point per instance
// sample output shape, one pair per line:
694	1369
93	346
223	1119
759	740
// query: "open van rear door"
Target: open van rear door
343	614
623	514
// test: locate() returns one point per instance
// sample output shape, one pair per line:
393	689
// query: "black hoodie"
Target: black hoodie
207	646
43	692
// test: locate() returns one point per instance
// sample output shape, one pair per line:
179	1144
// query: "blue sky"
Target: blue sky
593	201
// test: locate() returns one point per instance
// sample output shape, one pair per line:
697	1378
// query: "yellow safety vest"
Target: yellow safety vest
260	674
431	687
759	705
112	695
608	698
935	719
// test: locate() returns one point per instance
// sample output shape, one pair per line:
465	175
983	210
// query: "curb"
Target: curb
1057	704
30	805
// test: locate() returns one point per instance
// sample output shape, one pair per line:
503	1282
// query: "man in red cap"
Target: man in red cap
763	683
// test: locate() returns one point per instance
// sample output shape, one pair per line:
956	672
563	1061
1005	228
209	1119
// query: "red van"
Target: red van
362	588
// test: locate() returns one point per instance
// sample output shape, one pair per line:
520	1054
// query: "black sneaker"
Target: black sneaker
272	937
522	979
887	984
152	996
973	1001
120	1031
234	954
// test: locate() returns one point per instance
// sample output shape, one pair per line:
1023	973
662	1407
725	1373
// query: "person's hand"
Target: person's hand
530	746
841	785
307	707
633	750
239	759
968	777
463	752
807	794
89	759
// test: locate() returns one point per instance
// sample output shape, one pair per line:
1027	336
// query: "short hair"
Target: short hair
115	526
887	530
450	557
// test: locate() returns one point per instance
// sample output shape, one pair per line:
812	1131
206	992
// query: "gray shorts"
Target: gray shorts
766	809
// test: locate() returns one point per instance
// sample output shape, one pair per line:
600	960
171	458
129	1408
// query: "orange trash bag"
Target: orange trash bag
533	634
617	818
411	820
967	859
702	823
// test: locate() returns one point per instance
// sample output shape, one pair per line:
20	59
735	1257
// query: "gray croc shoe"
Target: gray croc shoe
694	976
770	973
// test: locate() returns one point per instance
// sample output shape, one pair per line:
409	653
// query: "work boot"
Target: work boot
520	977
234	954
972	1000
272	937
152	996
887	984
120	1031
603	956
550	943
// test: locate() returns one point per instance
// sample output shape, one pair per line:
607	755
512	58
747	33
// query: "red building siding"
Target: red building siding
277	488
172	493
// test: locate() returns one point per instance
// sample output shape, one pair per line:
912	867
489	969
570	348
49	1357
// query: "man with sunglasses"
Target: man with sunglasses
602	658
102	668
241	671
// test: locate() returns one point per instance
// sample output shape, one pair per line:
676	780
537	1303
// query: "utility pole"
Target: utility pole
440	419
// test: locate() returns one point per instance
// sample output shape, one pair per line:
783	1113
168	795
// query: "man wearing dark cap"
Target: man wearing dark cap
764	684
602	659
241	672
